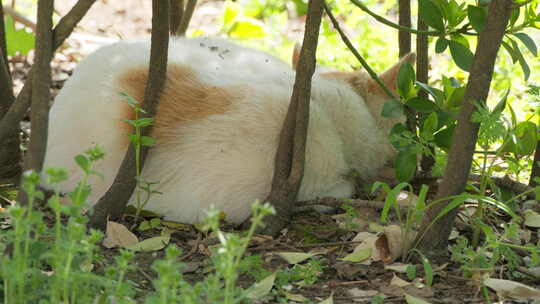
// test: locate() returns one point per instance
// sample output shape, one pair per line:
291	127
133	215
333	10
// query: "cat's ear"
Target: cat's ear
296	55
389	77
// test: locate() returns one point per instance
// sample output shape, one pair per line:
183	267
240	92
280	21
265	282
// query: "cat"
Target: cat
217	125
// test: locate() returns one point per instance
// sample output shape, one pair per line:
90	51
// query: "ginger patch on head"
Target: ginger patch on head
184	98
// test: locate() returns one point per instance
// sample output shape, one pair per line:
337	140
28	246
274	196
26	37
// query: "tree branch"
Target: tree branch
535	171
290	156
359	57
16	112
435	238
404	37
186	18
117	196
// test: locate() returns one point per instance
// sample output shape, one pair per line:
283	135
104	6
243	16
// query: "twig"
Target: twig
193	249
356	54
19	18
390	23
328	244
505	182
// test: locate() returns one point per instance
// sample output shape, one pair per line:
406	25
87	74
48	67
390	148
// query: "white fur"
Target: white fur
224	160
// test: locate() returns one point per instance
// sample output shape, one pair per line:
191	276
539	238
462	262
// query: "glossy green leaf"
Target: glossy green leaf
477	17
405	79
443	138
524	140
405	165
522	62
147	141
456	98
392	108
83	162
441	45
421	104
430	126
528	42
462	56
431	14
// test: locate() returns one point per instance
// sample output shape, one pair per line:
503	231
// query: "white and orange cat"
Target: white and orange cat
217	125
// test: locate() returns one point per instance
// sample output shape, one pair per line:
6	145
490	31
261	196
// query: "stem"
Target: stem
356	54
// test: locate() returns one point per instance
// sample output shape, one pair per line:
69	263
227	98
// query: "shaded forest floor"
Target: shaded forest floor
332	235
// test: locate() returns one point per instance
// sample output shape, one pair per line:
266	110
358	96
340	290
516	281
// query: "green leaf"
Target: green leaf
524	140
422	105
462	56
477	17
431	14
521	60
443	138
232	10
405	165
147	141
19	41
441	45
405	79
83	162
392	108
430	126
246	28
528	42
510	51
143	122
456	98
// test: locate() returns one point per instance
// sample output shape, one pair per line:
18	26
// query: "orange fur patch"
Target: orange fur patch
183	99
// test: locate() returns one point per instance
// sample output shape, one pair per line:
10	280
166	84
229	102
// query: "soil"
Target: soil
348	282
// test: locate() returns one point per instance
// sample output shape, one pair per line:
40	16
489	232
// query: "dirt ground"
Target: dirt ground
349	282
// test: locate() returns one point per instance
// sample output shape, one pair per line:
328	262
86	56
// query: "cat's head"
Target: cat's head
365	86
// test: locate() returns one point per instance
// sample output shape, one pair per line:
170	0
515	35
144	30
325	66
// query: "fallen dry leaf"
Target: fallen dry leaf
262	288
507	288
117	235
360	293
151	244
397	281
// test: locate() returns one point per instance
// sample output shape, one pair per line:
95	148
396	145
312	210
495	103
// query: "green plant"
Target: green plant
138	140
35	269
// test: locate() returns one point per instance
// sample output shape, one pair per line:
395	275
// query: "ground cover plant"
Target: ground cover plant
364	249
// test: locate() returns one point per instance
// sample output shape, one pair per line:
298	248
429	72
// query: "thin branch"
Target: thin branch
390	23
16	112
356	54
19	17
535	171
117	196
186	18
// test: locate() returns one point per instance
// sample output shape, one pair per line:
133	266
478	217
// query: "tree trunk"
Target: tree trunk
41	84
117	196
535	172
289	161
433	239
10	153
404	37
9	123
422	75
176	12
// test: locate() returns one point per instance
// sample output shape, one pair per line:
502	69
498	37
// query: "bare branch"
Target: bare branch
535	172
117	196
